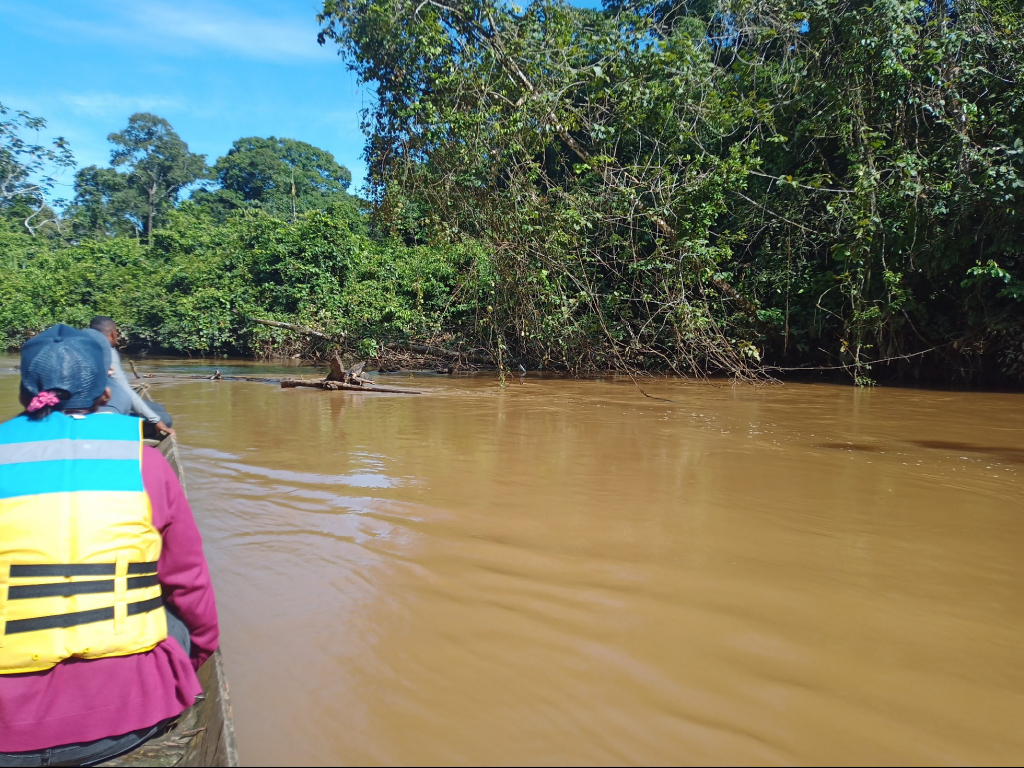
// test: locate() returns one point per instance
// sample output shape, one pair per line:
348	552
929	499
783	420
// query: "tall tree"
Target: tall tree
104	204
283	176
157	162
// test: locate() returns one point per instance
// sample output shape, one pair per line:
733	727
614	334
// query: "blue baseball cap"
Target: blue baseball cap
62	357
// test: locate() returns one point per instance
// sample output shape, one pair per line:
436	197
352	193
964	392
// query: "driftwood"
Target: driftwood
334	385
352	376
351	380
300	329
218	376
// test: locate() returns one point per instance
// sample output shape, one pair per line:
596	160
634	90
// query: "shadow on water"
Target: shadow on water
1002	453
853	447
998	453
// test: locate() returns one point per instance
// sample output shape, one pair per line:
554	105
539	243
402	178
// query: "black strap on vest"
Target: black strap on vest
65	620
66	589
81	569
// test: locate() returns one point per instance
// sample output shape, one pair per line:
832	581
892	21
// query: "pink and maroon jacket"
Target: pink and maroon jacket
84	700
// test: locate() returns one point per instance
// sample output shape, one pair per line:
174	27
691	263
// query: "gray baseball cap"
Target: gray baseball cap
62	357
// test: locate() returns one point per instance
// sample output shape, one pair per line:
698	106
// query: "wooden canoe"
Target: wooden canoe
204	734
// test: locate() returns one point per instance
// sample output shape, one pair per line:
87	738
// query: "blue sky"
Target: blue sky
217	70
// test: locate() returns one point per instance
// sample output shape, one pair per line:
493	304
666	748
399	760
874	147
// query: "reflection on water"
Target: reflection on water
567	572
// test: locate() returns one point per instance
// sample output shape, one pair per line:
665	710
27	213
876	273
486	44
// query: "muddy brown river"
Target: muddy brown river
566	572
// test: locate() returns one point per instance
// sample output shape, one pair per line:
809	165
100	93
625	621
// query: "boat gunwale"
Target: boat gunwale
188	741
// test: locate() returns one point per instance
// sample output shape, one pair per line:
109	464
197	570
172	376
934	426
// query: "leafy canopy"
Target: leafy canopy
26	168
157	163
713	185
282	176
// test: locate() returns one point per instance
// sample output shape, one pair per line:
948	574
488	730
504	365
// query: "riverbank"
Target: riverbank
242	287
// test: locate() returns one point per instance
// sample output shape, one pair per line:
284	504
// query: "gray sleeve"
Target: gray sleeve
139	405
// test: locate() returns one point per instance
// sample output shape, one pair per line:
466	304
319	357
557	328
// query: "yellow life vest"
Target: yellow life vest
78	550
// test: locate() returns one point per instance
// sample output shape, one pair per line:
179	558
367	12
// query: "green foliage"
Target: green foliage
25	169
899	173
197	288
105	204
42	282
206	269
711	185
157	166
698	186
281	176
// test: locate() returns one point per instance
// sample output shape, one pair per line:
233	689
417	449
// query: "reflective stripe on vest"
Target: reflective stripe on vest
78	550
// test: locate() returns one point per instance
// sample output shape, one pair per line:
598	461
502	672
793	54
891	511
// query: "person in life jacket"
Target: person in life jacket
106	606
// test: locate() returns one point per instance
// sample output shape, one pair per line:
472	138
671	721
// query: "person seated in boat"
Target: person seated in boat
120	400
124	399
106	605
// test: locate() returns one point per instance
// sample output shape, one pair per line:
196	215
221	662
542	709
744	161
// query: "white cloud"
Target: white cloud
230	30
171	25
103	104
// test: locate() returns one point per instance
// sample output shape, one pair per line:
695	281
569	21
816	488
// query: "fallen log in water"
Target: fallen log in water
333	385
351	380
217	376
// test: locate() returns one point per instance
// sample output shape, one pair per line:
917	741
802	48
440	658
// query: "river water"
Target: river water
565	572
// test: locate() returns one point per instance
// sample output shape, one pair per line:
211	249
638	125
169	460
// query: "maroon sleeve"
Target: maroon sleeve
182	567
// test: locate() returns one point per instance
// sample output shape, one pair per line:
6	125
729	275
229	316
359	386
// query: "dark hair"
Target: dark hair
103	324
38	415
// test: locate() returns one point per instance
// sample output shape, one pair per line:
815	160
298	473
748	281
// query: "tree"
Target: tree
282	176
25	166
595	161
709	184
104	204
157	163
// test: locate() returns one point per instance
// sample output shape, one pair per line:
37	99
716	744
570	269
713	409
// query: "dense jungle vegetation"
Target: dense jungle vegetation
709	186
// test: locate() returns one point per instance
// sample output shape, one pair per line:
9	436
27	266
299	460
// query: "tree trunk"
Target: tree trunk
149	218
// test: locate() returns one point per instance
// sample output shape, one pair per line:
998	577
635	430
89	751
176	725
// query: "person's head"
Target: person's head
107	327
63	369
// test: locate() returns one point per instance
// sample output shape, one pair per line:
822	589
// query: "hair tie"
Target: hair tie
42	400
